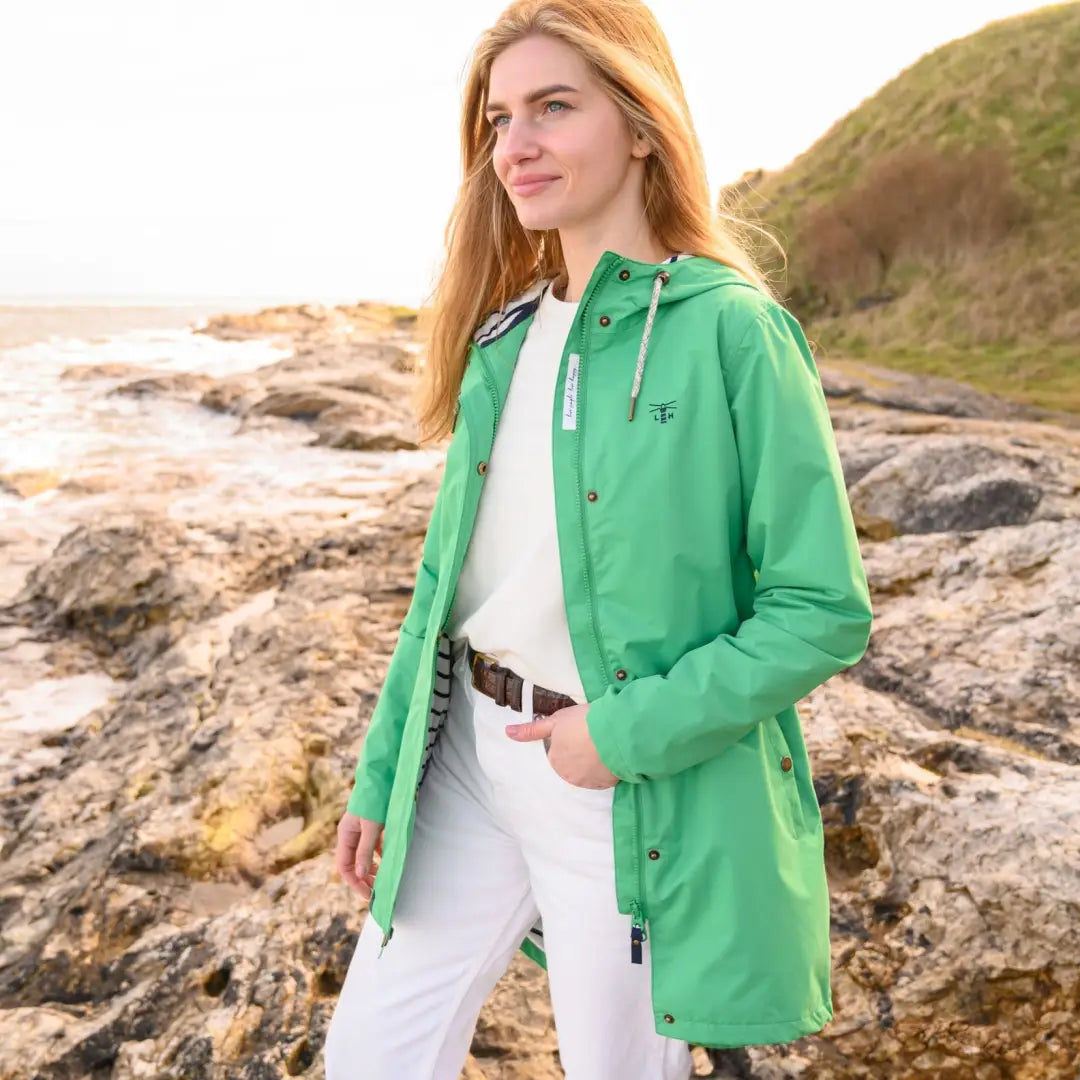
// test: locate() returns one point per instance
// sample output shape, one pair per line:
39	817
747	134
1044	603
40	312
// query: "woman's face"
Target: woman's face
563	151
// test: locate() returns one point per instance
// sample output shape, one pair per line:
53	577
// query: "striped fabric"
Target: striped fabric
520	307
440	702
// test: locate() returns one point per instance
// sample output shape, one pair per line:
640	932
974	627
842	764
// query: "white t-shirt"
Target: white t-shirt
509	599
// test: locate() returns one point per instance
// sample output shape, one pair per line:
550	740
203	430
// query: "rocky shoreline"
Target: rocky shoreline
169	908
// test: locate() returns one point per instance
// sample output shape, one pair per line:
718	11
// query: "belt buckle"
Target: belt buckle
472	667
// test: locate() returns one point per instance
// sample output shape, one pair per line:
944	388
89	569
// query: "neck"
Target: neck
582	248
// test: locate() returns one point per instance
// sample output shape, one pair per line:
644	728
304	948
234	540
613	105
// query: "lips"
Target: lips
532	186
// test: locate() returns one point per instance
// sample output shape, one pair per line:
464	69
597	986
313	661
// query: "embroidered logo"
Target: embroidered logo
663	412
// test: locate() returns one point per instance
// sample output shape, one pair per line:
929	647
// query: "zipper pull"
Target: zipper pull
637	933
386	937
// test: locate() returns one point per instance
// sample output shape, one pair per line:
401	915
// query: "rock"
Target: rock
299	404
303	320
90	372
169	907
233	395
353	392
129	588
29	482
364	424
955	901
982	631
225	761
859	382
949	483
179	384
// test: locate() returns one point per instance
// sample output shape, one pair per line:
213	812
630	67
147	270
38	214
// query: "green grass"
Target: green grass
1004	317
1046	378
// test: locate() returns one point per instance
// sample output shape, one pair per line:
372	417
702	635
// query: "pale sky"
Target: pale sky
307	151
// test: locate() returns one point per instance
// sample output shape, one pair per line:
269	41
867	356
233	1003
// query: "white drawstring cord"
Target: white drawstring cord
661	279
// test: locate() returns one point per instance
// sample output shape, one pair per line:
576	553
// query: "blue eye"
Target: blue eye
495	119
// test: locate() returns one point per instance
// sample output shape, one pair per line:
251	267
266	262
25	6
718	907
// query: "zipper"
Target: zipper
637	919
637	932
636	905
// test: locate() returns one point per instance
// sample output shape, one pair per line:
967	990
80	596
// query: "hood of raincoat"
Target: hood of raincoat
679	278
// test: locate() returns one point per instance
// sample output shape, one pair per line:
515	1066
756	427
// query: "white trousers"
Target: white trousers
499	838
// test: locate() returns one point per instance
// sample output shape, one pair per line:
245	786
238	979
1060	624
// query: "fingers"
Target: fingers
540	727
366	884
355	856
364	859
345	857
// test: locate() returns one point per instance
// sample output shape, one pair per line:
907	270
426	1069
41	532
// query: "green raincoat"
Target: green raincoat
712	579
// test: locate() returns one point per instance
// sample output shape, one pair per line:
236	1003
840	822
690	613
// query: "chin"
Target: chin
540	221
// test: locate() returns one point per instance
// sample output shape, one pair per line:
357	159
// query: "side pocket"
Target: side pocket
783	779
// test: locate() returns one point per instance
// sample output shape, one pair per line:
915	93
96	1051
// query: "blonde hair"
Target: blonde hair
490	257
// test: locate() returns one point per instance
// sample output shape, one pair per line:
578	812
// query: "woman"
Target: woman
641	556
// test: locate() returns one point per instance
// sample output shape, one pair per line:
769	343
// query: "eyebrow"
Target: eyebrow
536	95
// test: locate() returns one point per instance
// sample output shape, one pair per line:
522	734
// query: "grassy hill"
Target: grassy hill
936	227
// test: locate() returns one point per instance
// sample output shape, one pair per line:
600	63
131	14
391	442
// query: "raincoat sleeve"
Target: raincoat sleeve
811	610
377	765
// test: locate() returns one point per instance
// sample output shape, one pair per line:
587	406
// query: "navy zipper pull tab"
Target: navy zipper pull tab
637	933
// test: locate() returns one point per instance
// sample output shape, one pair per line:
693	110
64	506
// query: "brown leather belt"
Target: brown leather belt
502	684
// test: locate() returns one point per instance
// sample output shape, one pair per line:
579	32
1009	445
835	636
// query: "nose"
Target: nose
518	142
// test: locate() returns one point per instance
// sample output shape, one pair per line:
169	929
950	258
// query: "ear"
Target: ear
642	146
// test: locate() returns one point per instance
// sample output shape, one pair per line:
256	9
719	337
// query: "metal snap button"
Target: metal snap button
654	854
482	468
785	763
605	320
624	274
620	674
592	496
668	1018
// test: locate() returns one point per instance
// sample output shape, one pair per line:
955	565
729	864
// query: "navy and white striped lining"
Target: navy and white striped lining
440	707
523	305
440	701
505	319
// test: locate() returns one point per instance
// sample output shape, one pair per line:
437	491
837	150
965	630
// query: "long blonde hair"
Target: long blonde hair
490	257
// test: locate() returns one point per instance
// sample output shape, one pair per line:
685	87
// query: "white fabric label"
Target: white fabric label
569	407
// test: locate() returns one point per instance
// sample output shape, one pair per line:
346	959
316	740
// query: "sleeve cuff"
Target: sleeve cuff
367	803
603	725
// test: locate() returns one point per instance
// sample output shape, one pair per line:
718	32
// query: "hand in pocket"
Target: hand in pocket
569	746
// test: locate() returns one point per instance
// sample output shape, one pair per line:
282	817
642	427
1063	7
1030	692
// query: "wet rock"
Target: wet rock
233	395
180	384
351	385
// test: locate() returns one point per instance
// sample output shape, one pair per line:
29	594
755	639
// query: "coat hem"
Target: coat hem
537	955
723	1036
